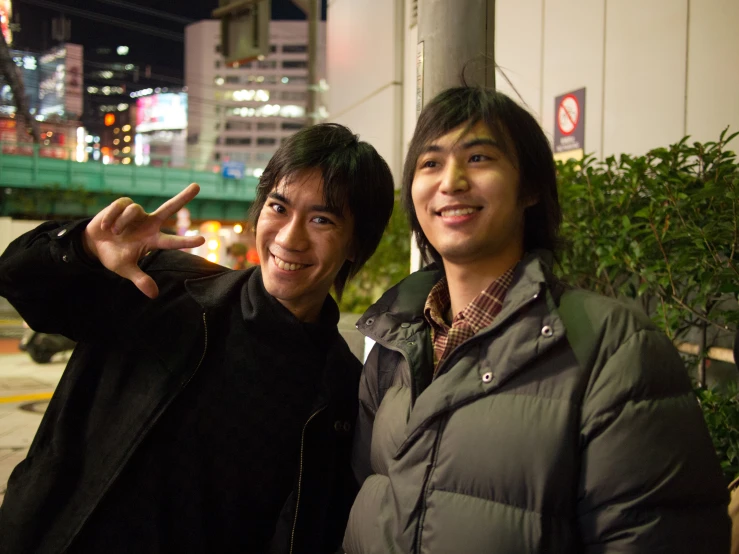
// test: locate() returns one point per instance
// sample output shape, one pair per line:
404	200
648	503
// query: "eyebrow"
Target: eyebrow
482	141
315	208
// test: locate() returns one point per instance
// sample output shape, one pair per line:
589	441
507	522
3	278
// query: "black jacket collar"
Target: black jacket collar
257	305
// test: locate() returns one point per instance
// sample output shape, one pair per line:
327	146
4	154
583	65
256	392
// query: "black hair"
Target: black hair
354	175
522	141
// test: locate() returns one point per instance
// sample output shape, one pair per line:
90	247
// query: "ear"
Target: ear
530	201
351	253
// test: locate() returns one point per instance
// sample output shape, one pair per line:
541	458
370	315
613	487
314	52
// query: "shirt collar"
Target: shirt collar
485	305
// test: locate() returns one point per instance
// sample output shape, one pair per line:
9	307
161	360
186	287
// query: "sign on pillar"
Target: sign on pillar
569	125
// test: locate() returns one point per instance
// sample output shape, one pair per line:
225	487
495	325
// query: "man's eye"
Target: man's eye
478	158
279	208
428	163
322	220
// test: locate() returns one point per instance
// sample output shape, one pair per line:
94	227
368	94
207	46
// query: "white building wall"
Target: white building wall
365	59
572	58
519	55
644	101
654	70
713	68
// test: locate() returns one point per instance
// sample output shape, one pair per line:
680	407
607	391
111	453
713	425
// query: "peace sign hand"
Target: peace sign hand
121	234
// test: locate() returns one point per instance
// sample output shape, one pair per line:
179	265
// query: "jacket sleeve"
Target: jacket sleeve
46	275
650	480
368	404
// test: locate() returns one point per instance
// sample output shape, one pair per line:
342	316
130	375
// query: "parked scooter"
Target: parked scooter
42	346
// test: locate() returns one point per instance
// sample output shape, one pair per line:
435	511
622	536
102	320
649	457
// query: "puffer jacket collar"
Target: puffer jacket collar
396	322
404	303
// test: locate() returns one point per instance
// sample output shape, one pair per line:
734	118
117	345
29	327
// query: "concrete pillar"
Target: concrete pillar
314	16
455	38
456	35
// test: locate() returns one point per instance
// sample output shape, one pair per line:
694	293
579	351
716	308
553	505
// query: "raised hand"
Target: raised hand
121	234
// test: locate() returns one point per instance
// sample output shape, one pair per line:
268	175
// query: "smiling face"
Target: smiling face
302	244
465	192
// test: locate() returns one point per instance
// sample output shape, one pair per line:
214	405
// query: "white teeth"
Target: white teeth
282	264
462	211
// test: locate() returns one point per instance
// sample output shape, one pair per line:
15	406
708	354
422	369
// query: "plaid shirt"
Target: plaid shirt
477	314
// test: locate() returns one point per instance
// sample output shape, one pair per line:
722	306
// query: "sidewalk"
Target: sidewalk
25	388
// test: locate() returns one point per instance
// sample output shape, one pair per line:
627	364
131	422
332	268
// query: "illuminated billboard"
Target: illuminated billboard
60	81
161	112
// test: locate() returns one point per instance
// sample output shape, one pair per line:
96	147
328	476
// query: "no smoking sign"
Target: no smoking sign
568	114
569	121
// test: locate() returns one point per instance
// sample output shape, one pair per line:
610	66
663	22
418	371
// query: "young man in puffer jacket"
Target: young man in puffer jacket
501	412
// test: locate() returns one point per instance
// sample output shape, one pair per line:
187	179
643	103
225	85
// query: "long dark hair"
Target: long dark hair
521	139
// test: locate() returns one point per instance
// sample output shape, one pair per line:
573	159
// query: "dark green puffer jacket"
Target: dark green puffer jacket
568	425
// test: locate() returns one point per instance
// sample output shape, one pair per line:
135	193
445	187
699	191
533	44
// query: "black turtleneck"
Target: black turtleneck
218	466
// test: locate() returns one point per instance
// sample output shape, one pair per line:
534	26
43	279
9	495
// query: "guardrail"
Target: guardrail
35	166
29	166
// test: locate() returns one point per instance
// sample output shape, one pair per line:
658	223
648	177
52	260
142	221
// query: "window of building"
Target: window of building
296	79
218	48
238	126
263	156
294	48
266	141
238	141
273	48
293	95
218	64
217	156
294	64
232	79
240	157
271	126
267	64
290	126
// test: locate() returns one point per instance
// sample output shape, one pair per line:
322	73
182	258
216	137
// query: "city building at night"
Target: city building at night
53	85
114	82
240	115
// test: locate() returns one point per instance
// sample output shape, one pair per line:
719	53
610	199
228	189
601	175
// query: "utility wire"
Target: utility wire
149	11
146	29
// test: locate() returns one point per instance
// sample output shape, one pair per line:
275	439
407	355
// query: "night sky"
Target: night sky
164	55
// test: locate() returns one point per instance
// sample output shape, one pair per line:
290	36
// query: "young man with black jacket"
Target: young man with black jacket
204	409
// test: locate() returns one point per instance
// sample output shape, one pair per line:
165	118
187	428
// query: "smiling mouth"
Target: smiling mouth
287	266
451	212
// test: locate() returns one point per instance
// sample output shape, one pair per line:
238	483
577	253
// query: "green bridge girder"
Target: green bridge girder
35	186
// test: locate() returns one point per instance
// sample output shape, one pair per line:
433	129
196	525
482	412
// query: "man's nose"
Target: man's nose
293	235
454	178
